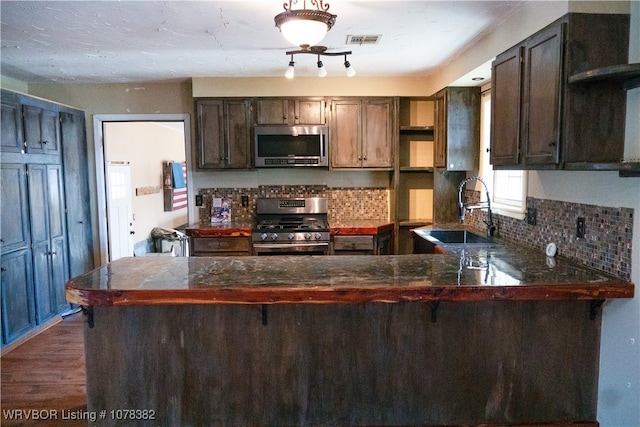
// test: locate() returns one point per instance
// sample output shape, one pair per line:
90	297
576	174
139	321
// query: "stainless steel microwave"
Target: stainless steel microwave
290	146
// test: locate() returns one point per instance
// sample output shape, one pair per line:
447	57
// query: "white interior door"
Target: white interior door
119	211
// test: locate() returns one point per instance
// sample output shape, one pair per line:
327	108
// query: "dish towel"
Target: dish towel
178	177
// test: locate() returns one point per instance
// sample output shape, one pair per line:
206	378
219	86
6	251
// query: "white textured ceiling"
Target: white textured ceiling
133	41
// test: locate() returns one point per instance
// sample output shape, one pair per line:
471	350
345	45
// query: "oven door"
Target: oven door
316	248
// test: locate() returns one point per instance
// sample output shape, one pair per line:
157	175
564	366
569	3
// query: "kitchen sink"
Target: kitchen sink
426	241
457	236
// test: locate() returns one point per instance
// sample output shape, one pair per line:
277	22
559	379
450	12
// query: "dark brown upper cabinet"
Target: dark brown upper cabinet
290	111
224	133
361	133
541	121
457	129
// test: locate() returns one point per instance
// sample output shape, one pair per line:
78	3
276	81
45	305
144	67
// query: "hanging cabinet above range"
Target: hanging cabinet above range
290	111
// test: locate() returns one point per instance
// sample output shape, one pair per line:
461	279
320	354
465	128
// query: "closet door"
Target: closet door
76	177
46	209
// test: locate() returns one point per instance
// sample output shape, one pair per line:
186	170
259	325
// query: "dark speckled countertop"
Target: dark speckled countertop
464	273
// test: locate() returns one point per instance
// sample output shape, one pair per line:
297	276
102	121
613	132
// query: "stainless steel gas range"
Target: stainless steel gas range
291	226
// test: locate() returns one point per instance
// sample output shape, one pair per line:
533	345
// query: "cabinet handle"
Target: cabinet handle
80	222
132	232
3	269
552	144
45	142
365	158
488	150
52	253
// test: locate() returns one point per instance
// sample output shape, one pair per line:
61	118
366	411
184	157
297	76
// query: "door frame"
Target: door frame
101	189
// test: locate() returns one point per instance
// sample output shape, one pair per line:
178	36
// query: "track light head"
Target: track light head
350	70
322	72
290	69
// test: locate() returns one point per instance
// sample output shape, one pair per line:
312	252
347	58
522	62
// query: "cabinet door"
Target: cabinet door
506	98
309	112
12	141
543	74
48	239
272	111
440	134
40	242
377	141
15	216
210	149
18	315
237	116
345	134
58	237
40	127
76	177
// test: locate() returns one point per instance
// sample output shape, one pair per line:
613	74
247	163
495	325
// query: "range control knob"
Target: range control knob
264	236
317	236
307	236
274	236
291	236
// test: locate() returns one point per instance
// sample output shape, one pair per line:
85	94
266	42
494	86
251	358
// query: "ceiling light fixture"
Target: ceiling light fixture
318	51
305	27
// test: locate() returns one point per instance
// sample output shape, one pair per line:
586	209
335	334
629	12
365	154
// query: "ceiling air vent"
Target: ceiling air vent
362	40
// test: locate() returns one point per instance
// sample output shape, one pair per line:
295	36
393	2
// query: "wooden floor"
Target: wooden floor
46	373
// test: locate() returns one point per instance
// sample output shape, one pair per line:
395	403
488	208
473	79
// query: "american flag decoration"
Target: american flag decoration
175	185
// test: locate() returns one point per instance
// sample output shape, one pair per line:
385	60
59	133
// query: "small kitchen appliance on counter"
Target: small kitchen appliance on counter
291	226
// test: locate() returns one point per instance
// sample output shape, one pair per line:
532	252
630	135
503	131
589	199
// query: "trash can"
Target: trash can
169	241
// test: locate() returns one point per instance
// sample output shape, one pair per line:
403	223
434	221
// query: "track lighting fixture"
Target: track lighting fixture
319	51
306	27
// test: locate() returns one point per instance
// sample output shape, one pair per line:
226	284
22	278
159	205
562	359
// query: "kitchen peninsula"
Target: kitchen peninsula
346	340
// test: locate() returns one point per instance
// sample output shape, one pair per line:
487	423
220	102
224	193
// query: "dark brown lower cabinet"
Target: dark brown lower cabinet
411	363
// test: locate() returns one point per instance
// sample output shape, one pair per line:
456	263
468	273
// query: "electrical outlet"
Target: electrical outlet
580	227
199	201
532	215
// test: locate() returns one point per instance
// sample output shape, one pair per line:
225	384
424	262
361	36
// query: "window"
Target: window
508	188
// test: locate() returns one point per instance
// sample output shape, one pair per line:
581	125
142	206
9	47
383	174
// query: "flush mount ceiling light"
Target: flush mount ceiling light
318	51
305	27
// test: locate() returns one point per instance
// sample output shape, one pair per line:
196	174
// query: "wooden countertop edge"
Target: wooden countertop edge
346	229
345	295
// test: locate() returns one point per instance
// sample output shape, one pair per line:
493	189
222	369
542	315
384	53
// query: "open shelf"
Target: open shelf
627	74
418	222
416	129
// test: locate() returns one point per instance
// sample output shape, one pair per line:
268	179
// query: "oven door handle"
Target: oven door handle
284	245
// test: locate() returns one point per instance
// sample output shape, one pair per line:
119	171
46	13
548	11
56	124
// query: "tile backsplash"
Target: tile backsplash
344	203
606	245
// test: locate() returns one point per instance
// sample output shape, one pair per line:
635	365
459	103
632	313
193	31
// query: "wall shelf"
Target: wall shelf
627	74
416	169
420	129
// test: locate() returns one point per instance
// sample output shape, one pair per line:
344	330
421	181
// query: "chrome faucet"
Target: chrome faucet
491	228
